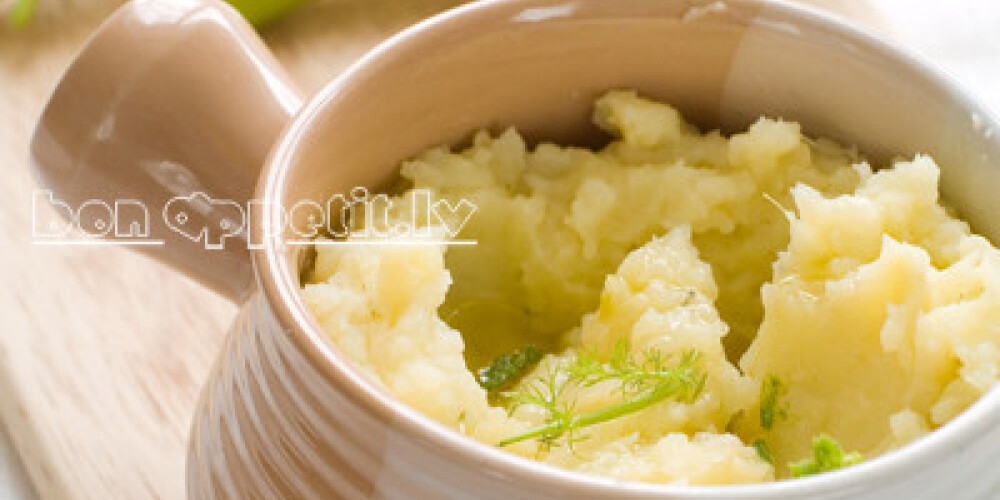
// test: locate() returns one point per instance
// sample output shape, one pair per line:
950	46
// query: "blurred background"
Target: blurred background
315	40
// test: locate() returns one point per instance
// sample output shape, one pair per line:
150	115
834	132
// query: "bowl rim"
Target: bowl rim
279	286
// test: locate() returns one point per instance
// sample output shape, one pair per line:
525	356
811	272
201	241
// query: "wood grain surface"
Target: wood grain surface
102	352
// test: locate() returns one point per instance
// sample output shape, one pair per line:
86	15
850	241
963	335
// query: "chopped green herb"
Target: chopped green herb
642	384
827	456
770	406
763	450
507	368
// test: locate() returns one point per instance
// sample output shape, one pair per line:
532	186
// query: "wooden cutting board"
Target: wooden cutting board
103	352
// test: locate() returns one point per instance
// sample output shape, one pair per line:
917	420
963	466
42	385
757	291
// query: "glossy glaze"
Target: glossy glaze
170	98
285	416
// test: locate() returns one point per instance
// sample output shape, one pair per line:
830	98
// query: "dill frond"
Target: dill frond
642	383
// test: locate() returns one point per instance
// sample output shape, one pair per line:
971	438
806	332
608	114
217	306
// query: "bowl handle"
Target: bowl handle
155	137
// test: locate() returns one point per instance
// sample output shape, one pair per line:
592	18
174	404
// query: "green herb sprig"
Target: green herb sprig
642	384
634	376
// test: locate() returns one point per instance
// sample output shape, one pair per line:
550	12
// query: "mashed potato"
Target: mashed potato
811	295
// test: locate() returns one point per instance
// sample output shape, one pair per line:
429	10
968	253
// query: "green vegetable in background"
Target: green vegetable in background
827	456
261	12
21	13
642	384
507	368
257	12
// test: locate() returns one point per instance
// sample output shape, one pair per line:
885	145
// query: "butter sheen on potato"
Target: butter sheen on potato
769	253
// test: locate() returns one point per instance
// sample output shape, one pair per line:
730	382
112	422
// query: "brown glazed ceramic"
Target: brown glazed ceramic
174	97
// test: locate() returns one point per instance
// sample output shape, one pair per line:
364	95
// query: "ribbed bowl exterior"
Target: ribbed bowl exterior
269	426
